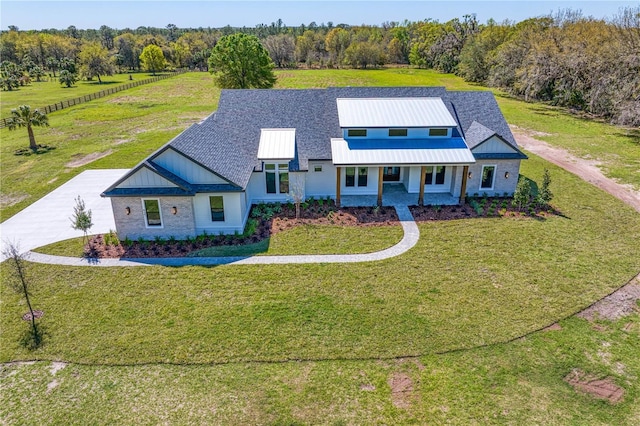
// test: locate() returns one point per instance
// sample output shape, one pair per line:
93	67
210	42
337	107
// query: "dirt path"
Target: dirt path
585	169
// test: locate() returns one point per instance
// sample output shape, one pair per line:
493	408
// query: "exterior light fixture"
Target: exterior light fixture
506	175
174	210
469	175
127	210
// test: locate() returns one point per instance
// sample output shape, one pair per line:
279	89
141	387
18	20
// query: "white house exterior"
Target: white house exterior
276	145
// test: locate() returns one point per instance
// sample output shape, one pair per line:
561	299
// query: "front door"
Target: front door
391	174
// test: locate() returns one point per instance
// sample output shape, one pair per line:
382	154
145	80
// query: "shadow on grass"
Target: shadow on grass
233	251
42	149
30	341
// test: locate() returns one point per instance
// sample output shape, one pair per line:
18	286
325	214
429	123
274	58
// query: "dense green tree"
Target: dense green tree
95	61
24	116
10	75
37	73
239	61
152	59
364	53
67	78
336	42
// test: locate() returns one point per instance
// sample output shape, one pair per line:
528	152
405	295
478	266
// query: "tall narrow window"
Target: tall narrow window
152	212
429	176
350	176
362	176
488	173
283	176
216	203
270	176
440	170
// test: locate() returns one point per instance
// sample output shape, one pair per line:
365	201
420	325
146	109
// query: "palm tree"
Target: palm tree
24	117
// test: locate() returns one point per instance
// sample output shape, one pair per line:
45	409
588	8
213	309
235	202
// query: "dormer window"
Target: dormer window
357	132
438	132
397	132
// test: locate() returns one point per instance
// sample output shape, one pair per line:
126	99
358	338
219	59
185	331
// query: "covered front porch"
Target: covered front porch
396	194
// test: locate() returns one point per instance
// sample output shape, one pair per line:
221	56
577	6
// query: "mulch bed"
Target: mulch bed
269	219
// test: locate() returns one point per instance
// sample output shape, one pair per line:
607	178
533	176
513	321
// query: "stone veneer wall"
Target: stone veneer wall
501	184
133	226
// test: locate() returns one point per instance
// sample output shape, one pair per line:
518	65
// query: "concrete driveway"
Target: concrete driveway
48	219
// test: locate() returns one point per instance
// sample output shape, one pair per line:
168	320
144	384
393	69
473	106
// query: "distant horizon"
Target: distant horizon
119	15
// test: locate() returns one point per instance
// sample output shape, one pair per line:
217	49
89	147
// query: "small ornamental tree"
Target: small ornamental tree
81	218
544	194
20	284
522	195
23	116
67	78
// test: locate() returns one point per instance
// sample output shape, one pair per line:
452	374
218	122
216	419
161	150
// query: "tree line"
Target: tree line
586	64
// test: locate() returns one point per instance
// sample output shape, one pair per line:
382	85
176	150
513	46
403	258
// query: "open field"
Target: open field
466	283
341	327
120	130
43	93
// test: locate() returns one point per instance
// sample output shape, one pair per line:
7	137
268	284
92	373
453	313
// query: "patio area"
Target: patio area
394	194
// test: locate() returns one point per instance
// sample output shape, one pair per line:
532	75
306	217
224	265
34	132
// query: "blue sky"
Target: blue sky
27	14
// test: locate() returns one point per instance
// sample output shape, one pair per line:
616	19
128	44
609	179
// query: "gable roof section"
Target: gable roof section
393	112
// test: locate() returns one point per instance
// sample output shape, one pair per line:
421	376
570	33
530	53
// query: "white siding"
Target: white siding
413	185
493	146
321	184
145	178
234	213
186	169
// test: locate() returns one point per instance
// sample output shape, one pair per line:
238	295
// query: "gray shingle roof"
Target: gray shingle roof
227	141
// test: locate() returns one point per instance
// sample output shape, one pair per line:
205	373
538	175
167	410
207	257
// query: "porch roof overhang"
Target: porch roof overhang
453	151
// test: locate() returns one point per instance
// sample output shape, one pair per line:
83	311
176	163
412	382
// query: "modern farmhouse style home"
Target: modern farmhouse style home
357	145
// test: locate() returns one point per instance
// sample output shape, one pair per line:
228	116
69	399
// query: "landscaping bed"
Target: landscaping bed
482	207
265	220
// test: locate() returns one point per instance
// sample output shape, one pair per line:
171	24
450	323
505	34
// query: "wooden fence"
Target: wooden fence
86	98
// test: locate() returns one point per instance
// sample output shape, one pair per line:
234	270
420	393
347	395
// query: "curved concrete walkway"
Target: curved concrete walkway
409	239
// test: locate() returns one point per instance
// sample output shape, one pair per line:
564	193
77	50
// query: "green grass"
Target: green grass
303	239
131	124
617	150
41	94
516	383
466	283
128	126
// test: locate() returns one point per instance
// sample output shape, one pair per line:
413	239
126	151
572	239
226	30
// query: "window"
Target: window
438	172
488	173
216	203
397	132
152	215
362	176
438	132
317	168
350	176
277	173
357	132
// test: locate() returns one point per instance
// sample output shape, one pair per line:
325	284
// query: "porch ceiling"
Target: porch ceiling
401	154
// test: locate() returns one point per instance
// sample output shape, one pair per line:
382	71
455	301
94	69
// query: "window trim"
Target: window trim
434	175
146	217
211	208
438	129
277	171
493	178
403	132
363	133
356	177
317	168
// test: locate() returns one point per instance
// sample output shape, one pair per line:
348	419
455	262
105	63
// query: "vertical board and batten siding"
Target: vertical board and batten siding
187	169
235	212
145	178
493	146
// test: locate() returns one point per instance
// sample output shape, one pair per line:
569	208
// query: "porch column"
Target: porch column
337	186
423	176
380	171
463	188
